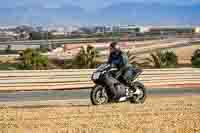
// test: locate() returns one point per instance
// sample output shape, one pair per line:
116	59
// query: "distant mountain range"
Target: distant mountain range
123	13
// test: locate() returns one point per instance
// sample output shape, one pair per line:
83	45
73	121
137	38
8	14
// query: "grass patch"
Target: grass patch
9	66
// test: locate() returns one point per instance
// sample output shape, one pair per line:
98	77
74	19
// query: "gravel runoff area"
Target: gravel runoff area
159	114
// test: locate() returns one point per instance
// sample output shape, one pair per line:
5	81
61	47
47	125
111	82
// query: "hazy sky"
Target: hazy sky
93	11
87	4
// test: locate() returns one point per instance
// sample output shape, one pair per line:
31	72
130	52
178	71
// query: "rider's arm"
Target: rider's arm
124	60
109	60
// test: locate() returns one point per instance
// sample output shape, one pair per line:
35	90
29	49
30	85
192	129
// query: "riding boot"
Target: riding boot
110	82
114	93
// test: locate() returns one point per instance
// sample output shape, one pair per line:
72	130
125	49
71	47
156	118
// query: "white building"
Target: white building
8	36
197	30
126	28
58	33
144	29
12	33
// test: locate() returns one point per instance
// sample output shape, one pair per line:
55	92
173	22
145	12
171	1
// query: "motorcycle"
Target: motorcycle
101	93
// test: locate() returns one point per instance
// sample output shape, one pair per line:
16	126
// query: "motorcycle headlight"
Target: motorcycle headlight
96	75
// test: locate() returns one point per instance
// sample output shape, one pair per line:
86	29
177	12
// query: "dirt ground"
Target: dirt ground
159	114
185	53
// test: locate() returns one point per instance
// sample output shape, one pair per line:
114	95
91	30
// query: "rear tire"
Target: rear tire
140	99
99	95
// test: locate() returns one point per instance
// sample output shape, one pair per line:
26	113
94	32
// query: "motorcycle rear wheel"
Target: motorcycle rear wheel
99	95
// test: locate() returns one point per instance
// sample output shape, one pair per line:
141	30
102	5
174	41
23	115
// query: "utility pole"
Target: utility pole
47	41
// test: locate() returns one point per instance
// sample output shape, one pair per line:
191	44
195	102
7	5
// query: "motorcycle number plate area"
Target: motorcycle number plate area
96	75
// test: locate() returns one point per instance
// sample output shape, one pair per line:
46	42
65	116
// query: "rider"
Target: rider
120	60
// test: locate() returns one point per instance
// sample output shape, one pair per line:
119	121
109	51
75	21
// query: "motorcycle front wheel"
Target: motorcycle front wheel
99	95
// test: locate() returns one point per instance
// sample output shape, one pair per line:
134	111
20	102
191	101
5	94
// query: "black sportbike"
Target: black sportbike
134	92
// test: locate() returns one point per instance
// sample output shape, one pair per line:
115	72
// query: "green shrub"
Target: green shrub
86	58
196	59
163	59
33	60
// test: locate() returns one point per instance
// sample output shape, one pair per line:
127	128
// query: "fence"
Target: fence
30	80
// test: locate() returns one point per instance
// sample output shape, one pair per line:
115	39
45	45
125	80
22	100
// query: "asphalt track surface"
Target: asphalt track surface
73	97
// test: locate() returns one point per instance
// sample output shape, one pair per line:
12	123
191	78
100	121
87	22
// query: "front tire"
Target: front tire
141	97
99	95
